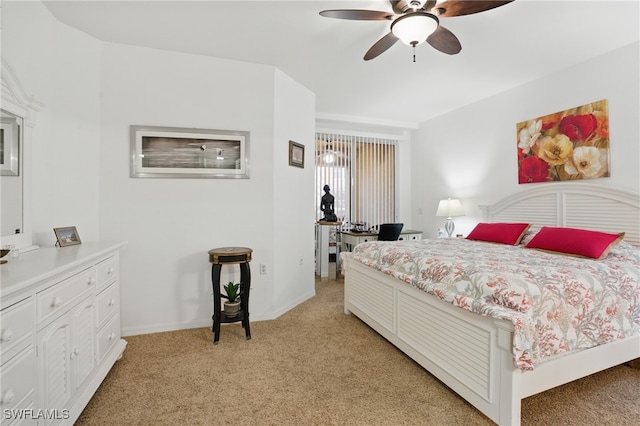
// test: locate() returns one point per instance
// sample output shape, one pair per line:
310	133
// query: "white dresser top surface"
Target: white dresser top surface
37	265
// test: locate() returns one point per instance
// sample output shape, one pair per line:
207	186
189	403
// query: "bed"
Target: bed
475	355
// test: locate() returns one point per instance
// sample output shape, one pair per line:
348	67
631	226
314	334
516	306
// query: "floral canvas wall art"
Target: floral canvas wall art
566	145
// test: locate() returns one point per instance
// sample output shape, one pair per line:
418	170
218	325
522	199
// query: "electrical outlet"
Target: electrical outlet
263	269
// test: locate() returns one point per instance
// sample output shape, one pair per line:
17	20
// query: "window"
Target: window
361	174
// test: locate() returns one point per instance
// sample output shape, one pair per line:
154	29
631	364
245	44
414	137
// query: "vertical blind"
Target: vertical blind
361	174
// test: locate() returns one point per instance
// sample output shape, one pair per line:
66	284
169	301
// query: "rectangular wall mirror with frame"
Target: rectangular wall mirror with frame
17	119
10	173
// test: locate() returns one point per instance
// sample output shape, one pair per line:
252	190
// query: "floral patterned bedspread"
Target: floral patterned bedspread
556	303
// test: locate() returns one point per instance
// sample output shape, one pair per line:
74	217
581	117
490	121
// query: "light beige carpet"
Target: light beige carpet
316	366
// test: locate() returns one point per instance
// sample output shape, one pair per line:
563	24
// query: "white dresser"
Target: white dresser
59	331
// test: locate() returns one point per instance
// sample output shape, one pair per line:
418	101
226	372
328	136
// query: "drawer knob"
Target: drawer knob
7	335
91	281
111	302
8	396
112	335
110	270
56	302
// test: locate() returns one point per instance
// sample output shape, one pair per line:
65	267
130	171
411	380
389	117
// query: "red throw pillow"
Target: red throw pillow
505	233
576	242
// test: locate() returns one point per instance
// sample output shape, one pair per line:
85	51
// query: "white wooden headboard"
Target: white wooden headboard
572	204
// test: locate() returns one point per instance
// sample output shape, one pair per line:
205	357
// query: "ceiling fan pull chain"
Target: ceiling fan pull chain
414	53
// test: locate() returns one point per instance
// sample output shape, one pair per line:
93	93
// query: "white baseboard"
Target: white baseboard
207	322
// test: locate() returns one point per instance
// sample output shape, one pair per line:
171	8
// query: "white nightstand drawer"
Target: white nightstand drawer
56	299
108	302
108	270
17	323
108	337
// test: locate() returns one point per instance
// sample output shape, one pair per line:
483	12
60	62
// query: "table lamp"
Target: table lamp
449	208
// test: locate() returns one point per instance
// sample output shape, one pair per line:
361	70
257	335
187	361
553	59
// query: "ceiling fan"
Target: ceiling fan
417	21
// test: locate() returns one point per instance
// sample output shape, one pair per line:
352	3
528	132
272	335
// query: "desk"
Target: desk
350	239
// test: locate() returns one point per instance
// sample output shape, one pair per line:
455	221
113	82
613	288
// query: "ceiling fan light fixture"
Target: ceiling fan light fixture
413	28
329	158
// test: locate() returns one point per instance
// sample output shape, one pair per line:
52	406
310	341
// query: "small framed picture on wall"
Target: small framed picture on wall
296	154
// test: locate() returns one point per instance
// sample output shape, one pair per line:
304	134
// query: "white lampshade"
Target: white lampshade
449	208
414	28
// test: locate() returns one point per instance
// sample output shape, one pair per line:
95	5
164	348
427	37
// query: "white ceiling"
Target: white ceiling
501	48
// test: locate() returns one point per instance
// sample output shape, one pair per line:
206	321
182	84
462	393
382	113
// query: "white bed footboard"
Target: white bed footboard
466	351
469	353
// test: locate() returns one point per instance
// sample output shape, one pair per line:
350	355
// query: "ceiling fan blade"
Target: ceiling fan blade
359	15
451	8
445	41
381	46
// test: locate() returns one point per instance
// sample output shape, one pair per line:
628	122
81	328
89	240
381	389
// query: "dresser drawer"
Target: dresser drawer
410	237
19	416
108	337
17	323
18	381
108	302
57	298
108	270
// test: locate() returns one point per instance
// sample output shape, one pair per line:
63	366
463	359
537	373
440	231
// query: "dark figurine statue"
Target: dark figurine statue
326	205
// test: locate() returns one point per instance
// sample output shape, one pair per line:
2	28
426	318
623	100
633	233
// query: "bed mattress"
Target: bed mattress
556	303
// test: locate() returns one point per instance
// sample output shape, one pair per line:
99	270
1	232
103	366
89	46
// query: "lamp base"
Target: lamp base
449	226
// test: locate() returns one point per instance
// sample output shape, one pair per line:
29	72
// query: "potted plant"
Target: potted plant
232	304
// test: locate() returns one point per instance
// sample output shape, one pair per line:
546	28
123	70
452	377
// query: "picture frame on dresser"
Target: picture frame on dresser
67	236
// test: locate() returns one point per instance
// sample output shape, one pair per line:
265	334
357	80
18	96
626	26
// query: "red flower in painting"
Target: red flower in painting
603	124
533	169
550	121
578	127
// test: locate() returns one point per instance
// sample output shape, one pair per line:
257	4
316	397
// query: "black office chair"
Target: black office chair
389	231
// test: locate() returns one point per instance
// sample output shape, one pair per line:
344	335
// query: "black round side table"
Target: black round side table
230	256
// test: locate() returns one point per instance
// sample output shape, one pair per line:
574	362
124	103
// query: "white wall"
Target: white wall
293	206
93	92
471	153
172	223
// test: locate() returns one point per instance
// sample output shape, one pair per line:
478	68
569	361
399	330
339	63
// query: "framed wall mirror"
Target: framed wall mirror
11	186
17	119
